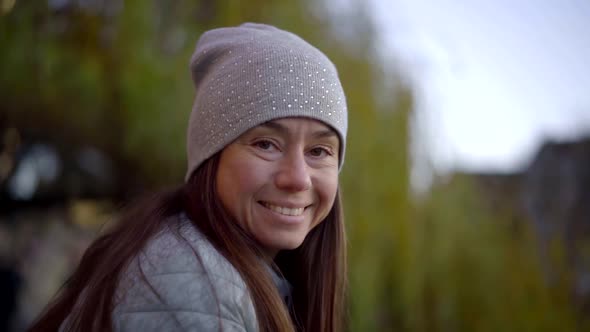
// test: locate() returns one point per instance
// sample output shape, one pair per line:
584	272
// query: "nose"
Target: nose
293	174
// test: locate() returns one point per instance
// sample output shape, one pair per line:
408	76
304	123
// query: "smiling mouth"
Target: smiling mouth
283	210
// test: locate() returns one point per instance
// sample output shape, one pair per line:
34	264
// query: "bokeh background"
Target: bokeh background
95	97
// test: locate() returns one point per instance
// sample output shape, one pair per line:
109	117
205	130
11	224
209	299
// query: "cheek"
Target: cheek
247	177
238	179
327	188
224	190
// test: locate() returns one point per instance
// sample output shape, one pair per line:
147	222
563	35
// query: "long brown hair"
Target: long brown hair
316	270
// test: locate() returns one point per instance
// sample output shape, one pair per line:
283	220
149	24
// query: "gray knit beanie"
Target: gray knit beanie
254	73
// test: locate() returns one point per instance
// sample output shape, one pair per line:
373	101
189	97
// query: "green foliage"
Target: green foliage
476	273
122	83
108	82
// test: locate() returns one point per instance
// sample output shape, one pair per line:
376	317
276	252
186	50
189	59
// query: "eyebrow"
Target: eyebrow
282	129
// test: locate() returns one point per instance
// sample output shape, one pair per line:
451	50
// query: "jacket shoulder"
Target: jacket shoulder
180	281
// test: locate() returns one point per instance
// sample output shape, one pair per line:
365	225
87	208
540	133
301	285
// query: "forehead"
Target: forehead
298	124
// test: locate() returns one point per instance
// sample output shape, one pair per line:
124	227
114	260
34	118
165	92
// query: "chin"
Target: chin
287	244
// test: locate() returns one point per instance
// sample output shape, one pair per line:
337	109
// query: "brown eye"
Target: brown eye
264	145
318	152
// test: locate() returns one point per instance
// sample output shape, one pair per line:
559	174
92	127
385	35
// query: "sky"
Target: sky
493	79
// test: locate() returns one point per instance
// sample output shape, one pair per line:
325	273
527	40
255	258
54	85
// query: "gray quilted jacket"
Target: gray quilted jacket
196	293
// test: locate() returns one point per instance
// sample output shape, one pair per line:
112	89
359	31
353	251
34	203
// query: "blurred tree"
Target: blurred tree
113	75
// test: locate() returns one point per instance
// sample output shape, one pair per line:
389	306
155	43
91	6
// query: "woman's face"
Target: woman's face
279	180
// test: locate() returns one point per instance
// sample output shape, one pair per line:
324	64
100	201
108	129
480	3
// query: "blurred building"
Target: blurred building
553	195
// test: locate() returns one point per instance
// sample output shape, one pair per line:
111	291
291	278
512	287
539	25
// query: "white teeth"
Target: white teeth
285	210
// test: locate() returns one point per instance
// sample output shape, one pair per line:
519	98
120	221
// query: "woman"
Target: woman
254	239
